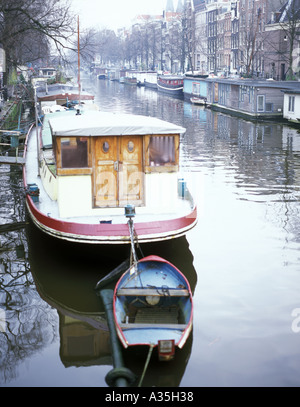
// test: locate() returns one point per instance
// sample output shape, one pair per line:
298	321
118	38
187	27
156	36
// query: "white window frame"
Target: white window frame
263	103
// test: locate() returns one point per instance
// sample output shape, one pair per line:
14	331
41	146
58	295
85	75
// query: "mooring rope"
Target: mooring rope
133	256
133	253
146	364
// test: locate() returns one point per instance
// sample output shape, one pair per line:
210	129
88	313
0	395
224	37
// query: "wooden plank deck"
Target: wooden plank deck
12	160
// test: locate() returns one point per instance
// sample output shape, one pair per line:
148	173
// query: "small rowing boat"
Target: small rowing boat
153	306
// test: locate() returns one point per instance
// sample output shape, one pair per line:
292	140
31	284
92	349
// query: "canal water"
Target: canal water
242	260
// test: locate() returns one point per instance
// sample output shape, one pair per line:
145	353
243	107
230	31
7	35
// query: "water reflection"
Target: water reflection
66	281
262	158
19	332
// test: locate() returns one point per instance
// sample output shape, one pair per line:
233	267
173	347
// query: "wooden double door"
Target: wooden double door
118	171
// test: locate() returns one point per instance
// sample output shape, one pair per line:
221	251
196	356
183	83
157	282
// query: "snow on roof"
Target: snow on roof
93	123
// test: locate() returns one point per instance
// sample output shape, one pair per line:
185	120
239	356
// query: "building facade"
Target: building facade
249	38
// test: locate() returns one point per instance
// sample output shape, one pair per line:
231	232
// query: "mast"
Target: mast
79	85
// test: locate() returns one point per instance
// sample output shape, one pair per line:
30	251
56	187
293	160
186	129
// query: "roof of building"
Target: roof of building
288	12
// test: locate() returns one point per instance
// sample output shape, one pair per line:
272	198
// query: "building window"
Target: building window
292	104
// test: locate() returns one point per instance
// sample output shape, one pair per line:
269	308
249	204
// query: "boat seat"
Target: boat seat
125	326
159	291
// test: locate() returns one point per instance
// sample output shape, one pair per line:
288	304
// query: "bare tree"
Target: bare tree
29	27
251	36
289	22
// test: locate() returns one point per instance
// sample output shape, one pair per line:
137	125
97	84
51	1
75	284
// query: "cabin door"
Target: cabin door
118	178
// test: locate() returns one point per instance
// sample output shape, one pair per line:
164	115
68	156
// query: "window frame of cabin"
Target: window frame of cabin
291	104
84	170
167	167
263	98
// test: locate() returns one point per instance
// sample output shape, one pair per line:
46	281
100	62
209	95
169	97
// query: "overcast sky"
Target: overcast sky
115	13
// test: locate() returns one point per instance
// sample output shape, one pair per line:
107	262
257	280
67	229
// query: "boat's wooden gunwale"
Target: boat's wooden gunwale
153	292
180	327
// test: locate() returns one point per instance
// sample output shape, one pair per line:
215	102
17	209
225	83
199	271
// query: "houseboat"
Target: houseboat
151	80
171	84
249	98
83	169
195	89
61	94
140	78
291	106
130	78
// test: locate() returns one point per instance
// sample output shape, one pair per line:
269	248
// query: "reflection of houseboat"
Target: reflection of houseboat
92	165
84	337
171	84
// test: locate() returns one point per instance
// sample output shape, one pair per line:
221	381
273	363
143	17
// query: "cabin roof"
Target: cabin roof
259	83
93	123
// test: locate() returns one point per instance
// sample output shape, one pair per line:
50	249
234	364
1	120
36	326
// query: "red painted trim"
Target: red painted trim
113	230
110	230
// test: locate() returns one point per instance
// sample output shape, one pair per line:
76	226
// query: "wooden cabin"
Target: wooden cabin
105	161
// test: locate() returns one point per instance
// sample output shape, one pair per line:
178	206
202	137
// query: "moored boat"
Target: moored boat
130	78
61	94
151	80
198	100
153	306
171	84
82	168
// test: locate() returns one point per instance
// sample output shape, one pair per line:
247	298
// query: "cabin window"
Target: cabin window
161	151
130	146
269	107
74	152
105	147
260	103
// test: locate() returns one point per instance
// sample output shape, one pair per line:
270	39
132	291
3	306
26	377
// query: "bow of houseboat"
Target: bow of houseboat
83	168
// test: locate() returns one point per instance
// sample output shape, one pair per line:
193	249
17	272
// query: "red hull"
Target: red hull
111	233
